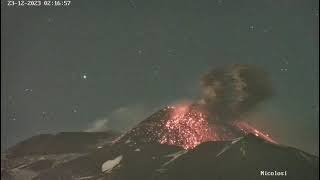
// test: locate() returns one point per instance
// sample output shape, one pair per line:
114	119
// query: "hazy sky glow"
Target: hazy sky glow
121	60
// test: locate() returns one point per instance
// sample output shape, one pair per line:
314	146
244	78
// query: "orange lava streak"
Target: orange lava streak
247	128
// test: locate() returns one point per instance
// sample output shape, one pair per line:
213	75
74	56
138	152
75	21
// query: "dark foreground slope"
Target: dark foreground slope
138	155
39	153
241	159
64	142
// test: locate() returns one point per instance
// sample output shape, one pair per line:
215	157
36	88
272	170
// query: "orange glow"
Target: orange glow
188	127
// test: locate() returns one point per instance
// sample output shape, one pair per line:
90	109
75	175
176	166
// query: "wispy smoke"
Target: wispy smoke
231	91
99	125
121	119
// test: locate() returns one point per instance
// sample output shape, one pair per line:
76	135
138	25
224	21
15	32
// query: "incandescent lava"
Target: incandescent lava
188	127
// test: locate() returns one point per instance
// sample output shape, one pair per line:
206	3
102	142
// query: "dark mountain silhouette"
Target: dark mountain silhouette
138	155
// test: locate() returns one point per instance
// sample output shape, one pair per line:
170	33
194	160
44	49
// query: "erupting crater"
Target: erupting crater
188	127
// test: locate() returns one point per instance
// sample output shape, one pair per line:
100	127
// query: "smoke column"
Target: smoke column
232	91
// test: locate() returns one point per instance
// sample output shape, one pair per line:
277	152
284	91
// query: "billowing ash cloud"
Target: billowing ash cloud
231	91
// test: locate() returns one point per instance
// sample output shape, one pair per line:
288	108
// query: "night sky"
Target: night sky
112	63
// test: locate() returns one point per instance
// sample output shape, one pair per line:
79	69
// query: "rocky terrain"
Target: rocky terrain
139	155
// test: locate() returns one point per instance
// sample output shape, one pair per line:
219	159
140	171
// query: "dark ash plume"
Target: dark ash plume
231	91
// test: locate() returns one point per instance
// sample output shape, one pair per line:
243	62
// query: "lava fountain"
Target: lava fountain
188	127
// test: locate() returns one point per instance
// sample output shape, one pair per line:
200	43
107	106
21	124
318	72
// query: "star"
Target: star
13	116
84	76
44	115
50	20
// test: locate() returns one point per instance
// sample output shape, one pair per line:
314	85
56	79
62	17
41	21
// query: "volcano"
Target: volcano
175	143
188	126
228	93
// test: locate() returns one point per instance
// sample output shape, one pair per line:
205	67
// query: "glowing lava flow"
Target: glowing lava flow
247	128
188	127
